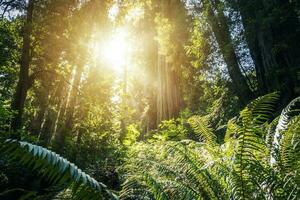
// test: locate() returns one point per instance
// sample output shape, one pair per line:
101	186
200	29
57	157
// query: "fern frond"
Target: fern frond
133	189
286	115
262	108
142	185
57	169
182	174
231	130
290	155
271	132
251	150
290	150
155	187
202	128
198	175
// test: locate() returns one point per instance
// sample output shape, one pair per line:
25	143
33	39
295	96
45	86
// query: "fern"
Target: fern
58	170
290	156
202	128
231	130
251	149
182	174
196	172
284	119
238	169
262	109
286	114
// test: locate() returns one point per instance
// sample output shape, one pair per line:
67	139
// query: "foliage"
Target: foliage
132	135
173	129
58	170
5	115
145	96
239	168
9	55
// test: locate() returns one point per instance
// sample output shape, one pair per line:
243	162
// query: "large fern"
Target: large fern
57	169
251	149
181	174
238	169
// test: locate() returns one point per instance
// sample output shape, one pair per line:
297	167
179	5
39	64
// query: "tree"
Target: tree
271	39
219	25
24	79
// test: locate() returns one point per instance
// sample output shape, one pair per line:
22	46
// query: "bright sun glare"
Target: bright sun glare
114	51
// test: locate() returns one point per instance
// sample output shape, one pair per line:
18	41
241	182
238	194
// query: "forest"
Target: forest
149	99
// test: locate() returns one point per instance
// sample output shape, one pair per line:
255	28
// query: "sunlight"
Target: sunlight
114	51
134	14
113	12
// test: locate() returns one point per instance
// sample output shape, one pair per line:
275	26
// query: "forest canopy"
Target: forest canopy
149	99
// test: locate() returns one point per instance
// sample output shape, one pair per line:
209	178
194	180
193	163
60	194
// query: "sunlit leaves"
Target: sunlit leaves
164	30
199	47
202	128
237	169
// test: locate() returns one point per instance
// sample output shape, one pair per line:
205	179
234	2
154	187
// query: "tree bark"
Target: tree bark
47	129
70	110
168	99
73	97
273	34
221	31
43	98
250	21
23	83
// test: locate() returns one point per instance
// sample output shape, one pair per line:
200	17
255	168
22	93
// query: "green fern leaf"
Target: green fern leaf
58	170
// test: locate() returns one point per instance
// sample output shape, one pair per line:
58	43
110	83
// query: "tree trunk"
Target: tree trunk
168	102
73	97
252	41
46	132
51	110
221	31
35	126
23	83
70	108
273	34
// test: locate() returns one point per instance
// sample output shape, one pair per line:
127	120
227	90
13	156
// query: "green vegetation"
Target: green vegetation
149	99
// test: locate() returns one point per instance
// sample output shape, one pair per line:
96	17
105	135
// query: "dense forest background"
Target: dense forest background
149	99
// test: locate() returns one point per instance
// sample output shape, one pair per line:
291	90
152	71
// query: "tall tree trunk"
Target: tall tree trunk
36	125
51	111
168	99
168	90
77	150
159	91
73	97
47	129
62	102
221	31
260	51
273	34
23	83
70	110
